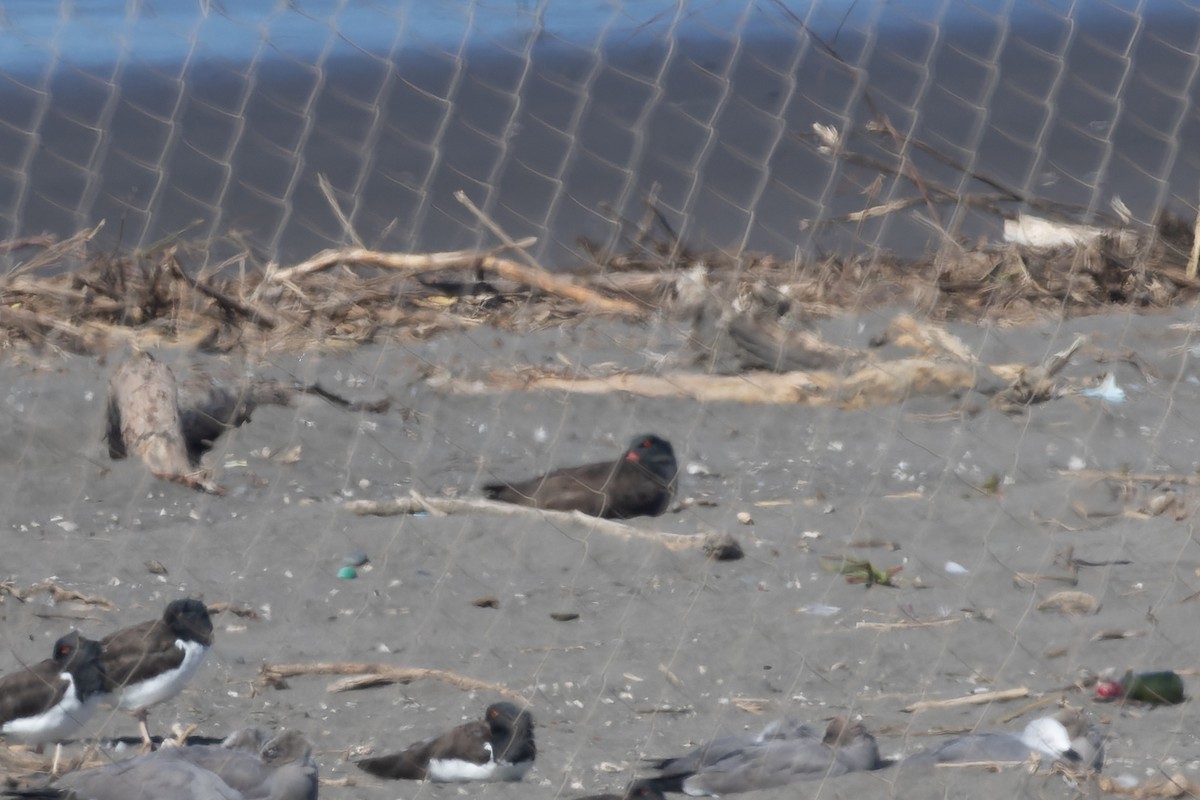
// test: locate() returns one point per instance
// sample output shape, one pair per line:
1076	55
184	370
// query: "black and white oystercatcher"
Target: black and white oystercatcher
772	759
150	663
54	698
639	483
497	748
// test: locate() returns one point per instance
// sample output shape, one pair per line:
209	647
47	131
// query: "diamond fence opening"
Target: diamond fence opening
908	287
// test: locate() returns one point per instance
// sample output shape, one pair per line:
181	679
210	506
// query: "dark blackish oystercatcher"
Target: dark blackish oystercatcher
150	663
54	698
497	748
639	483
723	767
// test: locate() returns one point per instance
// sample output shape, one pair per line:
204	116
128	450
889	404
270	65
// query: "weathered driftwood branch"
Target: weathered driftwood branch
414	263
56	592
1036	384
1175	785
369	675
144	419
927	339
54	254
945	366
223	606
968	700
253	312
1186	479
880	383
537	277
720	546
152	415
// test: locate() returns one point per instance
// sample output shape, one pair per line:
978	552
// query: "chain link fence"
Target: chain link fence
924	511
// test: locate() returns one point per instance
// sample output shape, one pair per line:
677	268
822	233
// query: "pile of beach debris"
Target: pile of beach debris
66	294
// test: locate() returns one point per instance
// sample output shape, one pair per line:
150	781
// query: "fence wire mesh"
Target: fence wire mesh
921	456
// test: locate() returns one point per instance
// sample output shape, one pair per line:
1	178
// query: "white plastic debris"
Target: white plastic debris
1107	390
1033	231
955	568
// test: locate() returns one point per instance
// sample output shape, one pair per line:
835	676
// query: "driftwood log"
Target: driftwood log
144	420
365	676
170	425
943	365
718	546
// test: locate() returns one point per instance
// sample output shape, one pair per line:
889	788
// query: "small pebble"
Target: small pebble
355	558
347	573
563	616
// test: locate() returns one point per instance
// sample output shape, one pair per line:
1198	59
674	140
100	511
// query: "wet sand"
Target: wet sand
773	626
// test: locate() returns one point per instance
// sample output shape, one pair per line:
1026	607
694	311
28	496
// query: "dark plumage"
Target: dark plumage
639	483
499	747
151	662
50	700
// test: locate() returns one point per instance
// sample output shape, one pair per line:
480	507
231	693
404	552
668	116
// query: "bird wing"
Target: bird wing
569	489
412	763
31	691
469	742
133	653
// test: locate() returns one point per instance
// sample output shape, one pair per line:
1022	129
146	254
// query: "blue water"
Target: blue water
37	33
558	117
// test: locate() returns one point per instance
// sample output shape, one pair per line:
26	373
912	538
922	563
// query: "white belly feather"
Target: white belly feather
57	723
166	685
453	770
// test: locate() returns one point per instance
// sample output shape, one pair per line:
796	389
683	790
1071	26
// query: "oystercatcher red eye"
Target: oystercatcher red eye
647	443
65	650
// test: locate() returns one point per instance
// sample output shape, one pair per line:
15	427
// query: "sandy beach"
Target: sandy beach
668	647
624	649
